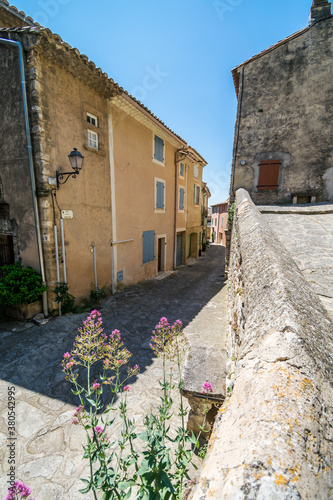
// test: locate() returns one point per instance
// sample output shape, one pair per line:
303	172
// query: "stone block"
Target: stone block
24	311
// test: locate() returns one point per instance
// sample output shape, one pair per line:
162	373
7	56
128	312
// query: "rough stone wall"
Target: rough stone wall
273	436
14	165
285	102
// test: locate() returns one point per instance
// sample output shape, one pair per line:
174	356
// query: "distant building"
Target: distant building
219	222
283	147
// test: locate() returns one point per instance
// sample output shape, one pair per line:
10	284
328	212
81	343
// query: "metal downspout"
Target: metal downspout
31	166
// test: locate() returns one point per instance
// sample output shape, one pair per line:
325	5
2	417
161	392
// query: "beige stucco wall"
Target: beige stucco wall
64	101
135	178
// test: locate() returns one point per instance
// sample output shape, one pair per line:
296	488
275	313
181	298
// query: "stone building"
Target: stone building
283	149
133	211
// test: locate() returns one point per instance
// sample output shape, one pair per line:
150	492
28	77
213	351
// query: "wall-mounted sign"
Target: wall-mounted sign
67	214
120	276
52	181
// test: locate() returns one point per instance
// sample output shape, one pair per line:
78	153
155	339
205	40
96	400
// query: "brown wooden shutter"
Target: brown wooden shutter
269	175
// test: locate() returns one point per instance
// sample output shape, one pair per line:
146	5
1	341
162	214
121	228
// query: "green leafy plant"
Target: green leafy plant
20	285
66	299
117	467
231	214
96	294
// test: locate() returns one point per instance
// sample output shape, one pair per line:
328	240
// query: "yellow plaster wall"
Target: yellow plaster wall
135	177
65	101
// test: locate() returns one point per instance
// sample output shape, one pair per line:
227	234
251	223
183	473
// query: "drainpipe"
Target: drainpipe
95	269
63	249
57	261
18	45
176	196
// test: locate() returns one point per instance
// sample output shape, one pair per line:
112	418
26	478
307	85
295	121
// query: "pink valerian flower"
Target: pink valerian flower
126	388
78	410
207	387
67	355
168	341
18	491
96	385
99	432
80	415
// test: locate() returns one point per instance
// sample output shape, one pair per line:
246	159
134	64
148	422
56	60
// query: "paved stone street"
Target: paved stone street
48	446
307	233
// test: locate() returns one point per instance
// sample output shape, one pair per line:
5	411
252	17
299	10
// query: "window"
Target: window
181	170
196	197
159	194
196	171
269	175
92	119
158	149
148	246
92	139
181	198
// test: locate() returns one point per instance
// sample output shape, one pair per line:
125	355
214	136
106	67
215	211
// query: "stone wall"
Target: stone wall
273	435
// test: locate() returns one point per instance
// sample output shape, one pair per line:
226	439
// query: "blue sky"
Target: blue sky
176	56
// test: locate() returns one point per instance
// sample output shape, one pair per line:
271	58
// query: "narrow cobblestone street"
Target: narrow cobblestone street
48	447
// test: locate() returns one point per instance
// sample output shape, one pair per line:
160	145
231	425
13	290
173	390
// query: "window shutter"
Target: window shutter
269	175
181	198
148	241
159	194
158	148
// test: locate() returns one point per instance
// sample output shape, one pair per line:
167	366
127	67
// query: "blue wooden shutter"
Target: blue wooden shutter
158	148
181	173
159	194
181	198
148	239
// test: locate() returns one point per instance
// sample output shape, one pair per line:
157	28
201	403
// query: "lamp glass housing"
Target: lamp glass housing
76	159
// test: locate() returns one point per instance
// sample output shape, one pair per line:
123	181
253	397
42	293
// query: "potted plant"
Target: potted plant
20	291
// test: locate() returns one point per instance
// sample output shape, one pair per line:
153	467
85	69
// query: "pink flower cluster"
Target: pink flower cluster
126	388
166	339
96	385
207	387
99	433
79	413
18	491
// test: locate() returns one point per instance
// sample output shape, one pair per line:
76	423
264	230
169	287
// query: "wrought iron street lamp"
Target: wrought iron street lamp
76	161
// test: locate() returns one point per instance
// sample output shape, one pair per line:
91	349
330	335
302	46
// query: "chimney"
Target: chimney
320	10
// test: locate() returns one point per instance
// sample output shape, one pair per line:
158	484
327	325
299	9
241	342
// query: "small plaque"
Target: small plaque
67	214
120	276
52	181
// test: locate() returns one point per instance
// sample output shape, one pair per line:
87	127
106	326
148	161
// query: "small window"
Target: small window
181	198
158	149
196	196
269	175
196	171
148	246
160	187
181	169
92	120
92	139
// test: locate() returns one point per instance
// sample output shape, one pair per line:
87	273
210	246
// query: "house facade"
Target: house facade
219	222
283	142
131	212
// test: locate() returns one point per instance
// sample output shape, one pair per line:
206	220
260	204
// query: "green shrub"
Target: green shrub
20	285
231	214
67	299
